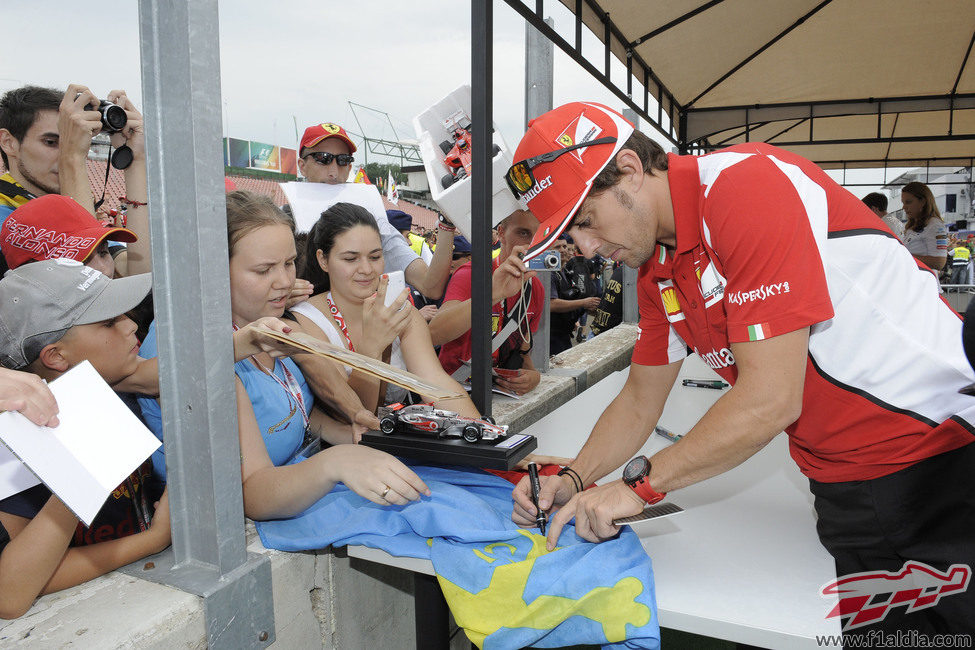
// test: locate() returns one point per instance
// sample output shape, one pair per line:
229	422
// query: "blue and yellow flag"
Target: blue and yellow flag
503	587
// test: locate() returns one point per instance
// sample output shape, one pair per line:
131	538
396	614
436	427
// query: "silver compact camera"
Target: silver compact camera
547	261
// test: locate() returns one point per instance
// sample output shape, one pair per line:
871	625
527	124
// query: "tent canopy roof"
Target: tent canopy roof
858	82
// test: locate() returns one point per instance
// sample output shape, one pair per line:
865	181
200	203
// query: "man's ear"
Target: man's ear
301	166
9	144
52	357
631	169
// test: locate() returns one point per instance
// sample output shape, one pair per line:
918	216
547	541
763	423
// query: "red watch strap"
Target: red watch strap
647	493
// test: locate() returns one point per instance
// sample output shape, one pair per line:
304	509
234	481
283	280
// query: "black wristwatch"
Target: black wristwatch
636	474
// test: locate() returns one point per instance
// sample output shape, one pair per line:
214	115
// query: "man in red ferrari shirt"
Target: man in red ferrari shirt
792	290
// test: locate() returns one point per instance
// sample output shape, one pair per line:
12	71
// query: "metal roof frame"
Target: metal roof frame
693	128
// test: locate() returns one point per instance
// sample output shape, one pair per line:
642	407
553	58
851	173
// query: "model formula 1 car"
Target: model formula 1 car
426	420
457	150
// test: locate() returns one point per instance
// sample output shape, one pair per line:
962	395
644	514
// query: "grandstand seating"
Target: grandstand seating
422	216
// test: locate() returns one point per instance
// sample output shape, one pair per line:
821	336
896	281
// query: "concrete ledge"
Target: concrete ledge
600	356
573	371
320	600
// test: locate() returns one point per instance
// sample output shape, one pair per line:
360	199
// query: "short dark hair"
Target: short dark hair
651	155
19	108
876	200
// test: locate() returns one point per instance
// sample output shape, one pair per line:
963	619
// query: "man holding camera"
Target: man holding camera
45	137
801	299
516	310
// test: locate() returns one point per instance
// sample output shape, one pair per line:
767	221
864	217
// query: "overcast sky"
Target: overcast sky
301	61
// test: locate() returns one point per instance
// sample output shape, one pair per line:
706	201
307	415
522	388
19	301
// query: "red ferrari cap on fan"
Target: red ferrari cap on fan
318	132
53	226
563	184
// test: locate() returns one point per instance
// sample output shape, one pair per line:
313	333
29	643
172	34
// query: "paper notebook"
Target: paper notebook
97	444
360	362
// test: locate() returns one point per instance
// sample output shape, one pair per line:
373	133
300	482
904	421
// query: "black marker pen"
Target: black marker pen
704	383
540	517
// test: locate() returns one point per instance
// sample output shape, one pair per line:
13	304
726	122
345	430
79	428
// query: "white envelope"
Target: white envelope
97	444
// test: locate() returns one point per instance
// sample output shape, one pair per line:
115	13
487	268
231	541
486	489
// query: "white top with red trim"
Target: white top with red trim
767	244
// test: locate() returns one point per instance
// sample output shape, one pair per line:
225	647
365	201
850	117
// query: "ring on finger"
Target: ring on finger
382	495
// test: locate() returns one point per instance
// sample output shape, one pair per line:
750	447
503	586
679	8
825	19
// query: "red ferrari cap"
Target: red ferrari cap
563	184
318	132
53	226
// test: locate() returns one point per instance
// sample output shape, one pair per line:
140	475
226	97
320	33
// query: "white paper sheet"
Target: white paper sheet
309	200
98	443
14	475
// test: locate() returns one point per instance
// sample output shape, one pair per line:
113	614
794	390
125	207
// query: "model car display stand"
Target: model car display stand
501	454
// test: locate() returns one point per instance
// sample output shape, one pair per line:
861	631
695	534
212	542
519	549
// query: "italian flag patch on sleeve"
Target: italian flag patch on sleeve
758	332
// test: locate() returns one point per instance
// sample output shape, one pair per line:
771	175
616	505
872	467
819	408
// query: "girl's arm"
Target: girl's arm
275	492
421	360
328	381
38	561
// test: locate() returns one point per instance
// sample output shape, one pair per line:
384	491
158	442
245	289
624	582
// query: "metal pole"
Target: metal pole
181	86
631	308
539	84
482	79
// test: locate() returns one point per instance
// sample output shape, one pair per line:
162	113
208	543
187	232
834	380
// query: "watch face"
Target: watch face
636	469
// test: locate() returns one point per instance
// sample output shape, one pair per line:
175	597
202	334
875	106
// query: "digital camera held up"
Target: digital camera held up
547	261
114	118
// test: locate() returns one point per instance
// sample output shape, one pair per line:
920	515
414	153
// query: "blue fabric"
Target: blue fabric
501	584
282	434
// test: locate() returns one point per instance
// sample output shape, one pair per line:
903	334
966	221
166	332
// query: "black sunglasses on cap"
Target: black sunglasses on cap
324	158
520	178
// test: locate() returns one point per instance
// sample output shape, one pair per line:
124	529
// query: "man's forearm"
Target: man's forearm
729	433
73	179
619	433
559	306
453	319
138	253
438	272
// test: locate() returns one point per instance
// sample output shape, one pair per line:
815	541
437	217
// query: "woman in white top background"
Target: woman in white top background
345	262
925	233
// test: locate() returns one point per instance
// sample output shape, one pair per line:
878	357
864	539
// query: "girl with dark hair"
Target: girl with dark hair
345	259
925	233
275	405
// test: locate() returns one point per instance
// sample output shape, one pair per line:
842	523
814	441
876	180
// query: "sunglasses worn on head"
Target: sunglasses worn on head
520	178
324	158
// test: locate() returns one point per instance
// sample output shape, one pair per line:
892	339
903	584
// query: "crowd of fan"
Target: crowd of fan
78	288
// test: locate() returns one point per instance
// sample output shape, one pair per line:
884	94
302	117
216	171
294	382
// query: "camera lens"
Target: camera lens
113	117
551	261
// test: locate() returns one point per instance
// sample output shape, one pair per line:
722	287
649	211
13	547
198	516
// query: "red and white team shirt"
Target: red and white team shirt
767	244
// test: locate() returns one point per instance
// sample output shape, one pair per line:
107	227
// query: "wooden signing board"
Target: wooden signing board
360	362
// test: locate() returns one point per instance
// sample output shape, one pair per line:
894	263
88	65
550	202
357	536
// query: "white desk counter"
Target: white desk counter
743	562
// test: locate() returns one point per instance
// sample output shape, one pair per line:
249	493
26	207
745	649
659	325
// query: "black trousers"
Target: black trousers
925	513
